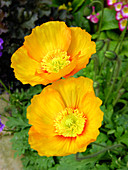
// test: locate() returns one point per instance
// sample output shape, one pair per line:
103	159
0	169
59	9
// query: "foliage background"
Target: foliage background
108	68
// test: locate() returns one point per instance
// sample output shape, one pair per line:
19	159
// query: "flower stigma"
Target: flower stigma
70	122
55	60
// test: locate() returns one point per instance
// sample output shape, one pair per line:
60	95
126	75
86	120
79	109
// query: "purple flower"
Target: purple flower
1	41
1	126
1	47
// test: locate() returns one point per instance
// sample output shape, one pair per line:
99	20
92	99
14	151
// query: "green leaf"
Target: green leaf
76	4
81	21
124	49
109	21
69	162
111	132
102	36
20	141
30	23
17	122
112	35
119	131
124	138
32	161
99	45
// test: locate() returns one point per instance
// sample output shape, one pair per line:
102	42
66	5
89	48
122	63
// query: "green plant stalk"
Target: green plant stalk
97	153
121	82
5	87
110	75
103	146
105	60
2	98
117	98
117	69
96	64
114	80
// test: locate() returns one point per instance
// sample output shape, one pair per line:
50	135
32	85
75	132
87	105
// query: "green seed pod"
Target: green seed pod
110	55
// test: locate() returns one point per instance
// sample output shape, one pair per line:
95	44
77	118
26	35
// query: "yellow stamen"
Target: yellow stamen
55	60
70	122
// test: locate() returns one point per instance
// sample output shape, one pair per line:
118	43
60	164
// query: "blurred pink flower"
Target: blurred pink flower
124	11
93	17
118	6
111	2
118	15
122	24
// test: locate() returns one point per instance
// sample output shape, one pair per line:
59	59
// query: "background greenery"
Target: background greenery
108	68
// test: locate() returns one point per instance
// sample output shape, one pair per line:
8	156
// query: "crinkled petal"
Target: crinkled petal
73	90
47	37
82	46
43	110
53	146
25	68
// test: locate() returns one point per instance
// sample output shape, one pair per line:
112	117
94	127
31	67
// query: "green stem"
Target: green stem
114	79
120	84
105	61
103	146
122	81
5	87
96	65
97	153
2	98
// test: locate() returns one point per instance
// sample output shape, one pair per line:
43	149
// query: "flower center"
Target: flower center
119	6
55	60
113	1
125	10
124	22
70	122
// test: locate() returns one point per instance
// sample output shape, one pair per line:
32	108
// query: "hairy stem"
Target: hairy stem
97	153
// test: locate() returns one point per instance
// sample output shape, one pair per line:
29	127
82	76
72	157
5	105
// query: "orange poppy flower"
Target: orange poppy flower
65	117
52	51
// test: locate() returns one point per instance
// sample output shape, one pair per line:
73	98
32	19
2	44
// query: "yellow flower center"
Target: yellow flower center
123	23
70	122
119	6
113	1
125	10
55	60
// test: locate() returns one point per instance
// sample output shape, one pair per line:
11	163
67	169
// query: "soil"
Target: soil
7	161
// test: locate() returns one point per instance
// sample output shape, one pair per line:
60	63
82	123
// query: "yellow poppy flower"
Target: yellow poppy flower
52	51
65	117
